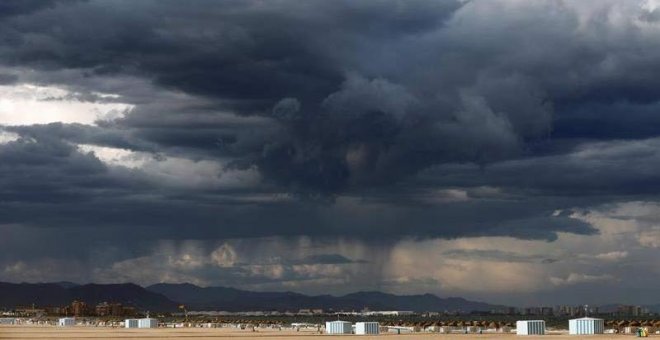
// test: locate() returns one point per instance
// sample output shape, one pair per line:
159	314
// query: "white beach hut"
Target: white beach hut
7	321
131	323
338	327
147	323
66	322
530	327
366	328
585	326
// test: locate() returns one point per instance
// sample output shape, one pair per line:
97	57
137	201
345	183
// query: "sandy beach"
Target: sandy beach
50	332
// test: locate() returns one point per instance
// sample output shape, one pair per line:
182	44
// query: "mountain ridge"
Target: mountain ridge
232	299
61	294
167	297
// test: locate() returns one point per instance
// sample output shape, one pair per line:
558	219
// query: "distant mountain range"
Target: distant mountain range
167	297
230	299
63	293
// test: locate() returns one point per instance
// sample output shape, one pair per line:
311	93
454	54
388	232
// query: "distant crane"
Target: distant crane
185	313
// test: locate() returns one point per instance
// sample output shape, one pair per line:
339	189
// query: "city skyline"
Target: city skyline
499	150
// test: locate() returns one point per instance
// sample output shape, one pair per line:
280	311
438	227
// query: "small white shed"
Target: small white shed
366	328
147	323
338	327
530	327
7	321
586	326
66	322
131	323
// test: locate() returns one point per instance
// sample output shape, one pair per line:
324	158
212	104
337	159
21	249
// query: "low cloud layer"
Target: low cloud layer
385	133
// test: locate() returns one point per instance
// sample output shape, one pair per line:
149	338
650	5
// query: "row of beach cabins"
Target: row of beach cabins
581	326
128	323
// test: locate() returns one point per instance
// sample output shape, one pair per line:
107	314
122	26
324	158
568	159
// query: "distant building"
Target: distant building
308	311
625	310
102	309
29	311
505	311
545	311
574	311
390	312
110	309
53	310
77	308
128	311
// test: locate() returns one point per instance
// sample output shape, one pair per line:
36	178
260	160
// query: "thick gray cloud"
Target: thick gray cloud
372	121
23	7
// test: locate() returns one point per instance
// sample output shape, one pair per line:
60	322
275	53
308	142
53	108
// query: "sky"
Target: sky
504	151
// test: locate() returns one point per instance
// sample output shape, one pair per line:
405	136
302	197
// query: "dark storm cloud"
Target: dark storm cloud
22	7
496	254
367	106
328	259
598	171
99	205
624	120
252	56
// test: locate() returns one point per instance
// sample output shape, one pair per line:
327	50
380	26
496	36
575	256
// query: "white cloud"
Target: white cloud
176	171
575	278
7	137
43	270
186	261
425	261
146	270
27	104
273	271
318	270
117	156
612	256
447	196
650	238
